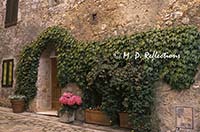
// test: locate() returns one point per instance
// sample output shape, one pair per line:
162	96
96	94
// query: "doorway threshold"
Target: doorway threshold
48	113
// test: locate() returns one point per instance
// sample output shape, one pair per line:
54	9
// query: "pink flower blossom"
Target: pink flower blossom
71	101
68	99
63	100
68	95
78	100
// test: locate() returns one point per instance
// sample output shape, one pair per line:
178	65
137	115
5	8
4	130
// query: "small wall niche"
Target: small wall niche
54	2
93	18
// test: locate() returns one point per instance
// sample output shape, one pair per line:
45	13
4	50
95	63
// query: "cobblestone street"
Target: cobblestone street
30	122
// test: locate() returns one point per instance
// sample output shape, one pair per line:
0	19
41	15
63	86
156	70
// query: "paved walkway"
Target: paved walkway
30	122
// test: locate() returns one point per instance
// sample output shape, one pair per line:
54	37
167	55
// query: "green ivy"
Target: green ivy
106	78
27	67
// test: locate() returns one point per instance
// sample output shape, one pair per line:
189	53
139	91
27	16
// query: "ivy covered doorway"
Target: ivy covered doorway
48	89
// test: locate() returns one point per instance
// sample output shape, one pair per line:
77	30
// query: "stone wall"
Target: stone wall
97	20
86	20
33	17
167	100
180	12
113	18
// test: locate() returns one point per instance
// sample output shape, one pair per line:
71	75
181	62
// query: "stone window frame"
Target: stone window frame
11	15
7	74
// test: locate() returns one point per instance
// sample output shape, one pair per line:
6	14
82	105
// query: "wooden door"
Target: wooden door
56	91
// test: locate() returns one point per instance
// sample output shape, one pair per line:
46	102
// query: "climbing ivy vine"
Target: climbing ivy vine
111	73
27	67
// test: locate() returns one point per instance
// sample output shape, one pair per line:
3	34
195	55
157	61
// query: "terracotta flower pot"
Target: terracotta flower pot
18	106
124	122
97	117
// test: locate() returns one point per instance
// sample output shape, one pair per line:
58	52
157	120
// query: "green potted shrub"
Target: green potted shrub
18	103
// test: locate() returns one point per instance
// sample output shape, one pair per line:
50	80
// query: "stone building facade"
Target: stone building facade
96	20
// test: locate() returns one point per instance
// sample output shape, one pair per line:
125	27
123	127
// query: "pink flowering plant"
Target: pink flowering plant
70	102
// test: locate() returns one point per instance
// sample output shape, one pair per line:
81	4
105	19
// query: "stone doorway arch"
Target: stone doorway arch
45	83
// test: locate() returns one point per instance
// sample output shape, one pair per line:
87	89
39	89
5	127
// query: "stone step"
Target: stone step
48	113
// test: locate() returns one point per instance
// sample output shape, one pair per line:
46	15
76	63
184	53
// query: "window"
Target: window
7	73
11	13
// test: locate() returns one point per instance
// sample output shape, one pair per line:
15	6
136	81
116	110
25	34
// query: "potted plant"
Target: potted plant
18	103
123	115
70	103
96	116
124	120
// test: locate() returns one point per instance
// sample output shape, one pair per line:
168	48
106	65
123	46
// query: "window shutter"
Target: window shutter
15	11
11	12
7	73
8	13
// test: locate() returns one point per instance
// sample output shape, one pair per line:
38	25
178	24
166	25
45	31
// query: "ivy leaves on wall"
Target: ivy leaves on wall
27	67
123	83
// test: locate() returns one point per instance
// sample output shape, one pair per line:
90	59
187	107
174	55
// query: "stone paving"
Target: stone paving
30	122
